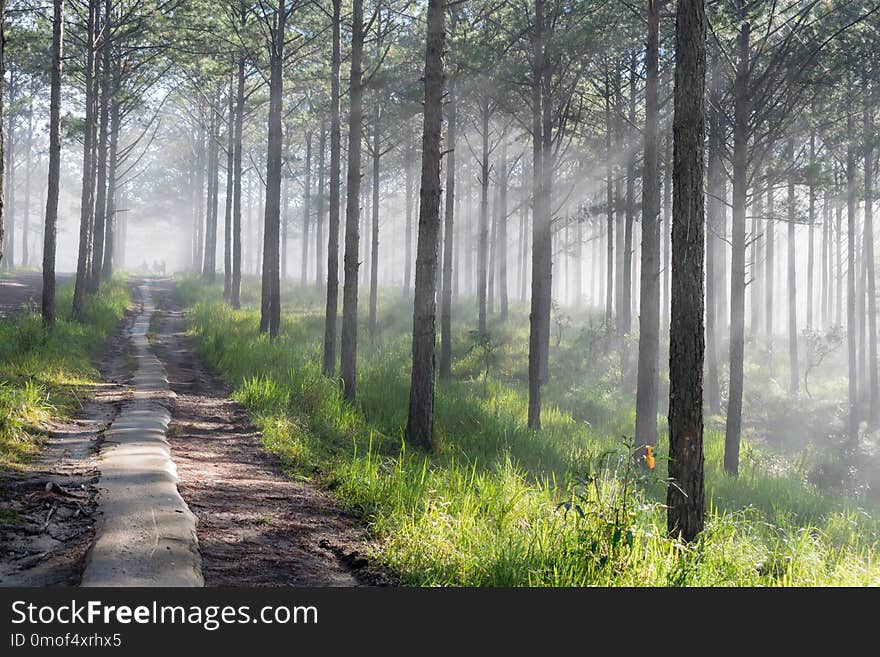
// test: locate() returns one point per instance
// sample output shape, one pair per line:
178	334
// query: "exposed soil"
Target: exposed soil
47	508
22	290
256	525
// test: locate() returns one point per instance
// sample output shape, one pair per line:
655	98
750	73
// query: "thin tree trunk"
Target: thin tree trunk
684	498
853	428
649	291
4	262
714	174
873	385
449	218
348	353
794	375
235	291
329	353
319	218
420	421
757	257
483	253
307	211
742	111
87	199
51	224
502	235
270	317
26	205
374	228
112	175
230	177
408	165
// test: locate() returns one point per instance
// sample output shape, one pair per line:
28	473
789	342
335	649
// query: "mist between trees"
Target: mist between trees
706	217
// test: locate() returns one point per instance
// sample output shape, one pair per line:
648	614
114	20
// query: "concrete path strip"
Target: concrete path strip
146	533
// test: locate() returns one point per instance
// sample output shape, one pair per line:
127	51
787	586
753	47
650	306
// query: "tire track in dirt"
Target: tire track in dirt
256	525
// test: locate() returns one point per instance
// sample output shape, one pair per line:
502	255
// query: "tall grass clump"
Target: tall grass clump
497	504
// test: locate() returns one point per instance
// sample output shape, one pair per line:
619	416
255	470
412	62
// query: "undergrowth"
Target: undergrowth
497	504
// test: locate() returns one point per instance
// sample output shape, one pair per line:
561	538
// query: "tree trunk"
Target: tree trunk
374	228
714	174
348	355
420	422
51	224
307	211
87	199
649	291
319	218
103	144
9	179
210	263
329	360
502	235
794	375
609	200
230	177
235	291
26	205
684	498
873	385
407	265
112	175
757	257
811	246
3	262
742	112
483	246
446	308
853	428
270	316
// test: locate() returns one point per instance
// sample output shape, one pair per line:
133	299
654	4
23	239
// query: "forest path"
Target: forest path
146	533
256	525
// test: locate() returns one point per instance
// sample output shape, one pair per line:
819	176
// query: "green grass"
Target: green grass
498	504
44	373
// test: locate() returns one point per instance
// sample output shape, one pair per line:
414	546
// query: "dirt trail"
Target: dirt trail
48	507
146	533
256	526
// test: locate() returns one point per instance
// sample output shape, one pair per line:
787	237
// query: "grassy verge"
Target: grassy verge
500	505
43	373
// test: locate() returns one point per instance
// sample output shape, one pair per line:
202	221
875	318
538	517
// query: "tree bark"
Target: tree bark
112	175
794	375
235	291
873	385
319	218
449	218
742	112
307	211
541	229
483	246
87	198
3	262
329	360
103	144
374	228
649	292
51	224
853	428
270	317
230	178
348	352
684	497
420	422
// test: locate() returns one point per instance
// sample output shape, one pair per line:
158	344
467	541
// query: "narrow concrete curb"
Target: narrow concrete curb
146	534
